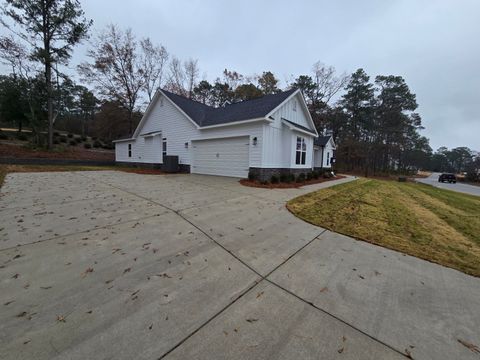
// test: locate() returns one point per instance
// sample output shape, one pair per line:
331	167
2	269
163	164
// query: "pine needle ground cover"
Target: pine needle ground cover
420	220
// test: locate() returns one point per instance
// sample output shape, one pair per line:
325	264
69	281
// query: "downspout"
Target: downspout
323	151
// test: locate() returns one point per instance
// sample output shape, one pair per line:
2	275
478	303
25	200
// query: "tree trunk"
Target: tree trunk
48	79
130	122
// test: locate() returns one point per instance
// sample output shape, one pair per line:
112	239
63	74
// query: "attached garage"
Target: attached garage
223	156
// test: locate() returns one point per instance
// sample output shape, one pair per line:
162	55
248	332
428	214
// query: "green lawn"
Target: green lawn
433	224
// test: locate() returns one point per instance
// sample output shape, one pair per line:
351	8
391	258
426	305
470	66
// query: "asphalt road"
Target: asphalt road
464	188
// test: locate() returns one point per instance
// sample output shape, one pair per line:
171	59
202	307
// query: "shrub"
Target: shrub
97	144
309	176
72	142
56	142
290	178
283	178
87	145
327	174
3	136
22	137
264	182
274	179
252	176
63	139
56	133
315	174
94	138
83	138
70	135
301	177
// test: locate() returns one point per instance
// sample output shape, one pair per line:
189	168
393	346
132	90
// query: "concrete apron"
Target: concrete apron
118	265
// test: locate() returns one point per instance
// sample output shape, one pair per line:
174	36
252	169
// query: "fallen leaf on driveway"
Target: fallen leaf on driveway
260	294
470	346
340	350
88	270
127	270
61	318
324	289
251	320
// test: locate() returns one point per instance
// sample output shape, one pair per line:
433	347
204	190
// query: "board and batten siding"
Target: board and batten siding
280	142
321	161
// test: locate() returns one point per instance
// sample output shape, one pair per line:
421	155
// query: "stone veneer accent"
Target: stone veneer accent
265	174
183	167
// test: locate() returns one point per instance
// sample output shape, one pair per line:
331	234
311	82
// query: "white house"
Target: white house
270	135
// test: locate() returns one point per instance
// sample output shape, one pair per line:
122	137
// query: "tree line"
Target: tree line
373	121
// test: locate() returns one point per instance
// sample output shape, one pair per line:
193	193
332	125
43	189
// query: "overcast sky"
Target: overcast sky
433	44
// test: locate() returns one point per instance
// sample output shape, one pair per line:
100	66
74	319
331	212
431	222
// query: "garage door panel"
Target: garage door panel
225	157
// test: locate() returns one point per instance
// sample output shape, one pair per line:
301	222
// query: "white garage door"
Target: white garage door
225	157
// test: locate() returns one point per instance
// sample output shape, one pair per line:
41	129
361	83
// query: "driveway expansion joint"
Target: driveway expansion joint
261	278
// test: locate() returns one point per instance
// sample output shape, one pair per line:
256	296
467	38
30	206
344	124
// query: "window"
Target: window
294	108
328	158
129	150
164	149
301	152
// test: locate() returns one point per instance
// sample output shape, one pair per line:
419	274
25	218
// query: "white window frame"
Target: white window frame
300	151
164	149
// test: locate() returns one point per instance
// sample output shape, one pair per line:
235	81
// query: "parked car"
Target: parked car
451	178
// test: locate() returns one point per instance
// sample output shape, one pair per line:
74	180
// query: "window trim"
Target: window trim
328	158
300	152
164	149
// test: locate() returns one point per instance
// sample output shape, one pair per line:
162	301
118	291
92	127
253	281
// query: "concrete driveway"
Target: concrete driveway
112	265
460	187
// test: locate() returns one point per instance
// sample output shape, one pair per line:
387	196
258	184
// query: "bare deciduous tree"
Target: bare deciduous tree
177	77
154	59
327	83
191	74
116	69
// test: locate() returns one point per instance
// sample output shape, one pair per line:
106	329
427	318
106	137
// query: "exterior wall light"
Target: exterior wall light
254	141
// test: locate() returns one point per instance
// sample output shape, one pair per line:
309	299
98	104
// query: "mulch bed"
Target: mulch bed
142	171
70	153
292	185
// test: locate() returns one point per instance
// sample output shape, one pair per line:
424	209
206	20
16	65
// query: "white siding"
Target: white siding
327	150
287	112
175	127
280	141
178	130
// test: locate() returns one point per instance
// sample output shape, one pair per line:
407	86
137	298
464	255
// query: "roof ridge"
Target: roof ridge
293	89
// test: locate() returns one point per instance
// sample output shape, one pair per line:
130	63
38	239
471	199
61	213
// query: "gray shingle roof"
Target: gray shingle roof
321	140
204	115
299	126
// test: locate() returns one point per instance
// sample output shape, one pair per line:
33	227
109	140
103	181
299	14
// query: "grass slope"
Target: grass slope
433	224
